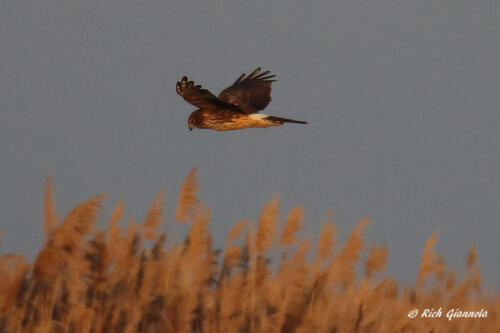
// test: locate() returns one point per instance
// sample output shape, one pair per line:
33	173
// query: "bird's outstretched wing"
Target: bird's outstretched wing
202	98
250	93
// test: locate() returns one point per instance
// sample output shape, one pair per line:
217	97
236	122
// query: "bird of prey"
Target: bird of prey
236	107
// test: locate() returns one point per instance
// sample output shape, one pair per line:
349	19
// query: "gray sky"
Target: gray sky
402	97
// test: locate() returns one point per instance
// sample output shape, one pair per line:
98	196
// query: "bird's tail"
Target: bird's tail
285	120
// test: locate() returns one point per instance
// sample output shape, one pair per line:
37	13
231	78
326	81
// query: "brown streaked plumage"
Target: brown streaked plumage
236	107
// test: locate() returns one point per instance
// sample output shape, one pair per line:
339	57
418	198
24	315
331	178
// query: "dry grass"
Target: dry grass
126	279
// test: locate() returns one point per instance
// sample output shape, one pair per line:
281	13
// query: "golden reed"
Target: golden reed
269	278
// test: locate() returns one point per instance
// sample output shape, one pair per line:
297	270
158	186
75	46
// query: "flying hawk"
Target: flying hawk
236	107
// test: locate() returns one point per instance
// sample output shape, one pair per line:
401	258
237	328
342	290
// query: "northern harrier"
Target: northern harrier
236	107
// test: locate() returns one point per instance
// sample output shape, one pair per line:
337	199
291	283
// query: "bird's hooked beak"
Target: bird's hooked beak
190	126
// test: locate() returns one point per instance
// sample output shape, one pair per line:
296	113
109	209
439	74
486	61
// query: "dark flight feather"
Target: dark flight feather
250	93
202	98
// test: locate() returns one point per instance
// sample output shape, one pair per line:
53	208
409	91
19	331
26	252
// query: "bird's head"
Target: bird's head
195	120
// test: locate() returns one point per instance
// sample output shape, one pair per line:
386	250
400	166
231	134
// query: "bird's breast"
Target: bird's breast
230	120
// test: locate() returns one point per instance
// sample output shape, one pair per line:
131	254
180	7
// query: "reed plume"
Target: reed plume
127	279
188	200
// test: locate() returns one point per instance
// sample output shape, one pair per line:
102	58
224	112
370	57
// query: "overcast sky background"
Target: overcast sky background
402	97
